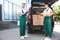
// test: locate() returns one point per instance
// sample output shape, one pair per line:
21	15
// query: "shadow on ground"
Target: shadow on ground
8	25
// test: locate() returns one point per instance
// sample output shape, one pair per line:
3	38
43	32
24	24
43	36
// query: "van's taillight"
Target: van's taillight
29	16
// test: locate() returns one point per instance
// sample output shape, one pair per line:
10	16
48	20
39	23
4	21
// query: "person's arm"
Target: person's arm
20	12
49	13
43	14
26	12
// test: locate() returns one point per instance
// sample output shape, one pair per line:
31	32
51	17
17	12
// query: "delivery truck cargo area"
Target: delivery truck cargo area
35	20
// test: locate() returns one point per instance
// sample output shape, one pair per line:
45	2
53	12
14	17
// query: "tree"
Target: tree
56	10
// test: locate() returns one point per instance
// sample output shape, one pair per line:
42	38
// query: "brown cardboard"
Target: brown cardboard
38	20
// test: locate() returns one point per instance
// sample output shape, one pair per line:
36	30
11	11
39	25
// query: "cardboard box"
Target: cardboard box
38	20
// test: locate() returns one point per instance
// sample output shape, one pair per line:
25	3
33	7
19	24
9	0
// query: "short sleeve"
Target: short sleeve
50	10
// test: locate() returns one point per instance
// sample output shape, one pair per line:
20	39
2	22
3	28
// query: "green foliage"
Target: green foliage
56	10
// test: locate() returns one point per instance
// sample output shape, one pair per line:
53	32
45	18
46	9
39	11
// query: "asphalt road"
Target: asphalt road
13	34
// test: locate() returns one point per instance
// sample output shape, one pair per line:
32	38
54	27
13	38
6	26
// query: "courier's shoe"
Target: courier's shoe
26	36
47	38
22	37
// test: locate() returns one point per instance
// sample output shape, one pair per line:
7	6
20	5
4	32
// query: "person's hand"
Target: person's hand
44	14
41	14
20	14
48	14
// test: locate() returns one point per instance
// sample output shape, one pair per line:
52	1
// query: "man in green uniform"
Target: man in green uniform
47	21
22	15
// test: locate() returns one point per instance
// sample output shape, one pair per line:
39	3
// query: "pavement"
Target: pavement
13	34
